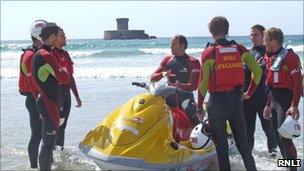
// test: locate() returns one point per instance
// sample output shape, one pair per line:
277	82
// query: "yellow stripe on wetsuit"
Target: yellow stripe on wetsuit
44	72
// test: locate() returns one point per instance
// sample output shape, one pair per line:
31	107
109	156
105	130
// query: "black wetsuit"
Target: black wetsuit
65	109
36	127
26	88
48	75
255	105
285	92
65	61
185	70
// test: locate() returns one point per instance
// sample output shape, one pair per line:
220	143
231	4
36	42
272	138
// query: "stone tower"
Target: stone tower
122	24
123	32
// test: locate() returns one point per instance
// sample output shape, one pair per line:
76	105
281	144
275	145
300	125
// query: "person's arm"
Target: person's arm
206	68
194	77
158	73
254	68
75	92
294	65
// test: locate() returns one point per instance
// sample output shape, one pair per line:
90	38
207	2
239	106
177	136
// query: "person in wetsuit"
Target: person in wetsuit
182	72
283	77
222	74
28	88
64	60
48	75
255	105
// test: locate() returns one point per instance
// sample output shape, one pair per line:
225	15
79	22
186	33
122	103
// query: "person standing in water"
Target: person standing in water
48	75
255	105
28	88
65	61
284	79
223	75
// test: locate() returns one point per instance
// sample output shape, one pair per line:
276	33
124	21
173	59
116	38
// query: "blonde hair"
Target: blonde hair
274	34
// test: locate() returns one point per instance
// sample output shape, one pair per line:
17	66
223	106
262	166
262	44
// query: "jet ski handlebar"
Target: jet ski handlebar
139	84
158	90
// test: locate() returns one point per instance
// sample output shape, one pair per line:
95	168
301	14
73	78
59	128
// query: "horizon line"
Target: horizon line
148	39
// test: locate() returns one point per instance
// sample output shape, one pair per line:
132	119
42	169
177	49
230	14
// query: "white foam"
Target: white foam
156	50
194	50
298	48
11	55
168	50
15	46
118	72
94	72
79	54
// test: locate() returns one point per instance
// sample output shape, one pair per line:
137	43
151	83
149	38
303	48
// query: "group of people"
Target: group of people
242	84
46	78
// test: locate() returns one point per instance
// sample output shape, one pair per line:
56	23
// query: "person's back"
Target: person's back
223	76
28	87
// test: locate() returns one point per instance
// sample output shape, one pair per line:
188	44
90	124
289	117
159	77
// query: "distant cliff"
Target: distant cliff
123	32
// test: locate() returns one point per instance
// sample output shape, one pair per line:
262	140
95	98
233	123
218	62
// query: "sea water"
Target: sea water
104	71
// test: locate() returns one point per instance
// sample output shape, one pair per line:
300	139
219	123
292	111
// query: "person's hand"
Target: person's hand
79	103
245	96
267	112
293	112
200	114
40	116
165	74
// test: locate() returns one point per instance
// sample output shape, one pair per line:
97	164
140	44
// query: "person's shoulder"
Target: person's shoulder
167	57
292	56
192	58
209	52
43	52
242	48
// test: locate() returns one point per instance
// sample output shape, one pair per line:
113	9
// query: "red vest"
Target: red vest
64	60
282	77
228	70
27	83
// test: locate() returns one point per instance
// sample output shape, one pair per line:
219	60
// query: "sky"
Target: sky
89	19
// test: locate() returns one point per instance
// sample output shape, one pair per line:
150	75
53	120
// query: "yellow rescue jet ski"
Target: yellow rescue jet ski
143	134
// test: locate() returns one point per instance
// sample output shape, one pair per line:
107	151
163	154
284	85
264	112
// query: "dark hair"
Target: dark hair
49	29
274	34
258	27
219	26
182	40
